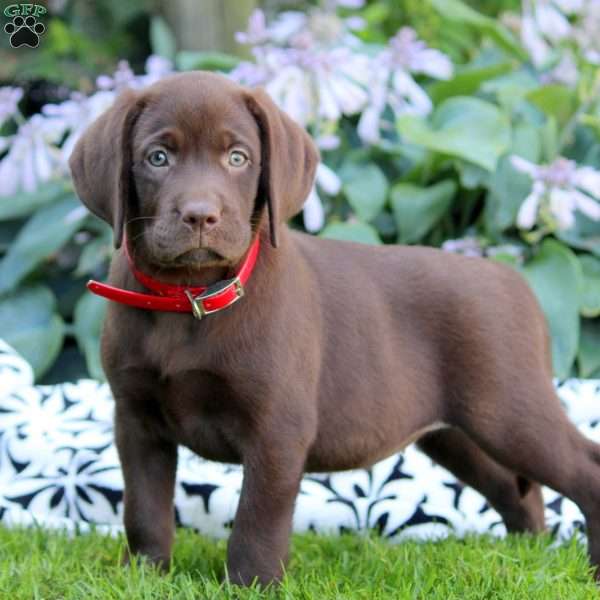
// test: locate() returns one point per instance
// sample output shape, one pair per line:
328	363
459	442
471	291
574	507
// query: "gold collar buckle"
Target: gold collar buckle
197	302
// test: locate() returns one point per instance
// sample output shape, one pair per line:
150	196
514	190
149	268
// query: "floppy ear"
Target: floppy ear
289	160
101	162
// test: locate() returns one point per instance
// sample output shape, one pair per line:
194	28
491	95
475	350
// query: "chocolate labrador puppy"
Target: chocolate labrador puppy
338	354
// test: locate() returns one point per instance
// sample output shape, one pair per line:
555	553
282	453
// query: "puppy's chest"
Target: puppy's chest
201	411
175	345
197	398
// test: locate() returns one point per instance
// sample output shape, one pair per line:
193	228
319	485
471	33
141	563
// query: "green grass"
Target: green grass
36	564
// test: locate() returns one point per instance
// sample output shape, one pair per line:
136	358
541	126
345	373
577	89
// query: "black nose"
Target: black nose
201	216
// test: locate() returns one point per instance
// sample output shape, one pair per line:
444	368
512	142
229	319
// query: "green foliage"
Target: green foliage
493	107
588	357
585	235
554	274
352	231
24	204
205	61
462	127
590	292
366	188
507	188
467	81
45	233
455	11
41	249
31	325
162	39
444	176
88	319
82	40
417	210
555	100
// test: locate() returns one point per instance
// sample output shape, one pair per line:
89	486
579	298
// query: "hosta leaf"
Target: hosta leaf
590	291
507	190
558	101
30	324
44	234
588	356
89	316
462	127
188	60
466	82
526	141
555	276
352	232
417	209
25	203
162	38
366	188
95	253
584	235
457	11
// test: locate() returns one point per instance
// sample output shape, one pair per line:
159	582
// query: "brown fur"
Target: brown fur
339	354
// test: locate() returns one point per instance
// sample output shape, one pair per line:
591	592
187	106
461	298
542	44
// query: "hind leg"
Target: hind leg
532	436
518	500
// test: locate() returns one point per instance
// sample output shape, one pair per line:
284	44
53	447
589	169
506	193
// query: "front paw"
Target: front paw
247	573
150	557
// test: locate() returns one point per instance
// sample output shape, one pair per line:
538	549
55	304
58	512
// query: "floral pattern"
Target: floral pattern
59	468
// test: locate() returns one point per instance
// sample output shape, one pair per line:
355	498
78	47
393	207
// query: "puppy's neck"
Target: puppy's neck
188	275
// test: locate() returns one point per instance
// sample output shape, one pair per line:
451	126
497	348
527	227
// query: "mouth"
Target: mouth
199	256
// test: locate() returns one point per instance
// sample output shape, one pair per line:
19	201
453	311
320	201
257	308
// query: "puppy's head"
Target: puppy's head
187	167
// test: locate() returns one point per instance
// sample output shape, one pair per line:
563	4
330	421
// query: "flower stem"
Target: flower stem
569	129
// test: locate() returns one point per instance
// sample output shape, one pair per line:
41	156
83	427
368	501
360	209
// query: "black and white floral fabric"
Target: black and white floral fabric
59	468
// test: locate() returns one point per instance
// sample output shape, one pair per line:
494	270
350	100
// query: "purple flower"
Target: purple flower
406	51
74	116
314	214
391	83
468	246
328	141
156	68
34	155
308	63
310	83
257	32
123	77
32	158
550	27
561	188
251	74
350	3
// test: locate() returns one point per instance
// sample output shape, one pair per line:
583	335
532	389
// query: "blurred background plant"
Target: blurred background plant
439	123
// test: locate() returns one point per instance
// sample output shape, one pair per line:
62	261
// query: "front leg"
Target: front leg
149	464
259	543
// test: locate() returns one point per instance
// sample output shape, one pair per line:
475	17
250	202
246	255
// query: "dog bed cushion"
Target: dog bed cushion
59	468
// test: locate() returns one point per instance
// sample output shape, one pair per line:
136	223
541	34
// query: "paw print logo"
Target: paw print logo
24	31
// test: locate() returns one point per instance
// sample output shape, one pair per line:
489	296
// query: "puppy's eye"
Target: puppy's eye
237	158
158	158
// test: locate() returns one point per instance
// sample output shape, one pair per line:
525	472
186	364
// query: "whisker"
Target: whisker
161	267
137	237
140	219
133	248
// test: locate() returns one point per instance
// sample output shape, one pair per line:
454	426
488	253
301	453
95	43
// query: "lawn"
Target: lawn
36	564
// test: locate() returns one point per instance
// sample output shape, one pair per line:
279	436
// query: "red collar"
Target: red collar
198	300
